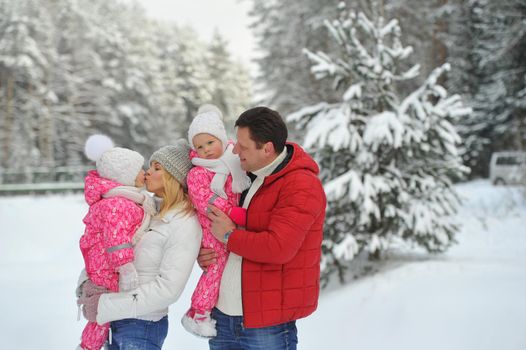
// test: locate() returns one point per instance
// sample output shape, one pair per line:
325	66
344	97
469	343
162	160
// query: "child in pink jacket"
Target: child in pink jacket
217	179
119	214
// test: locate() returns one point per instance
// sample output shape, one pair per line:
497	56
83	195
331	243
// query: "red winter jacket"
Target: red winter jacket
281	246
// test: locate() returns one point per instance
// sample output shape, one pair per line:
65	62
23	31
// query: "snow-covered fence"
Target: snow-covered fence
42	179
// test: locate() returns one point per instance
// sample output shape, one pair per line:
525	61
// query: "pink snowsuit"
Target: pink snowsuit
198	180
106	243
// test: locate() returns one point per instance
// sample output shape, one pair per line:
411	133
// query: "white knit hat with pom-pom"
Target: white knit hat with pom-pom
121	165
209	120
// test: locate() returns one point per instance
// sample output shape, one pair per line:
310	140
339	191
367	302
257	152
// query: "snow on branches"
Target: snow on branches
387	160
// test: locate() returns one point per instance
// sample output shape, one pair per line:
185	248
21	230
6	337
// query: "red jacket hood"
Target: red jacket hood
296	159
96	186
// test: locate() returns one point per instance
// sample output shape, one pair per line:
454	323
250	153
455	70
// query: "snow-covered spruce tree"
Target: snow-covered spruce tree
386	160
467	46
194	85
502	96
25	99
82	101
229	79
282	29
487	45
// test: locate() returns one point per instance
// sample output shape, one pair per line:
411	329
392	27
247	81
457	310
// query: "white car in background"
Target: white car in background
508	168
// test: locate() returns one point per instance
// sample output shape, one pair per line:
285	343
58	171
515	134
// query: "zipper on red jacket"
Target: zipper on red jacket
241	277
242	304
242	259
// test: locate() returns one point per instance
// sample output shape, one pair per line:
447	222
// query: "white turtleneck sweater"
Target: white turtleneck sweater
229	301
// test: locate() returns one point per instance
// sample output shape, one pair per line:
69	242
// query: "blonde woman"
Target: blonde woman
164	258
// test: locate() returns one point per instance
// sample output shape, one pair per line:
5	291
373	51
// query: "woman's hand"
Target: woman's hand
206	257
89	299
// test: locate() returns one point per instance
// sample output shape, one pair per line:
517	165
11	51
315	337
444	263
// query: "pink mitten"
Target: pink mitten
238	216
90	305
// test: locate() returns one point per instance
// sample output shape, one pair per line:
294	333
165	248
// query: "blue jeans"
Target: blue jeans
135	334
232	335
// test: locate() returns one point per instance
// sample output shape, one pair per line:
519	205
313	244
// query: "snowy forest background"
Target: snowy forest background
396	99
70	68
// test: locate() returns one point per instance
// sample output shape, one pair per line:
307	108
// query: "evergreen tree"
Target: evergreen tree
70	68
82	98
25	55
508	82
487	41
468	45
129	59
386	159
282	29
425	28
229	81
241	91
194	87
172	109
218	68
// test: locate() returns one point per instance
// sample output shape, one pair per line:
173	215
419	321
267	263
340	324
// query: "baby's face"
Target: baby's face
207	146
139	180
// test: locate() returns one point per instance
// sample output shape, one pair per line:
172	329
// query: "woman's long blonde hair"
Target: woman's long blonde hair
174	195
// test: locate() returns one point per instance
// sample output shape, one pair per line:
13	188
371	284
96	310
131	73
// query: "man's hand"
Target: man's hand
206	257
221	223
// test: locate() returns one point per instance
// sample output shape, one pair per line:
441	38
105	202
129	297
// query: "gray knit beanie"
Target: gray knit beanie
175	159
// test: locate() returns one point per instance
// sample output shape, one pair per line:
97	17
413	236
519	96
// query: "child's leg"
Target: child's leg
94	336
206	292
198	320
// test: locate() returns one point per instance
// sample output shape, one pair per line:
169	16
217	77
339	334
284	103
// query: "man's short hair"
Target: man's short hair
265	125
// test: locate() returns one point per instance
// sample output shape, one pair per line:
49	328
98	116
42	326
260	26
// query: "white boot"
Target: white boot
201	325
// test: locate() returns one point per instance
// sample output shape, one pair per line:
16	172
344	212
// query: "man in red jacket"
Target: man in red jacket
272	274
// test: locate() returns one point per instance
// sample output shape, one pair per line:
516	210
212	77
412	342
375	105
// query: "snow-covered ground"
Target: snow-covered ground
472	297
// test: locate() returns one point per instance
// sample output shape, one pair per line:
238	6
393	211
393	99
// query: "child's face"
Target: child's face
154	179
207	146
139	180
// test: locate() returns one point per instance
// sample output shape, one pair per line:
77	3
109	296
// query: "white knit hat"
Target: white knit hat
121	165
209	120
